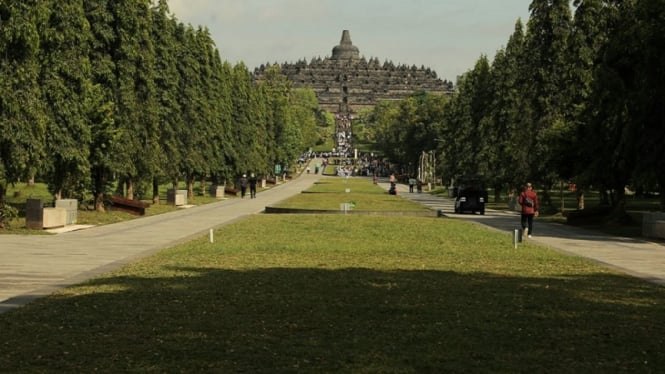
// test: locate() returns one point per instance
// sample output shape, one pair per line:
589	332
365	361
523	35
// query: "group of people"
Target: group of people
244	182
415	182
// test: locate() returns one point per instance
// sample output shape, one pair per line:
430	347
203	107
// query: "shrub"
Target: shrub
7	214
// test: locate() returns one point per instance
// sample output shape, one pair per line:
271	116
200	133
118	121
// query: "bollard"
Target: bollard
212	240
516	238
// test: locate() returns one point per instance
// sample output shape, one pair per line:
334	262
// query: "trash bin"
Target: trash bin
34	214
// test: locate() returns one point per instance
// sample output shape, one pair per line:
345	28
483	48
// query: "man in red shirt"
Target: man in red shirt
529	202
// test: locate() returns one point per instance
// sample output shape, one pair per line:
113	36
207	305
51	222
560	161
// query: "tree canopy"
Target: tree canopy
576	96
97	94
103	94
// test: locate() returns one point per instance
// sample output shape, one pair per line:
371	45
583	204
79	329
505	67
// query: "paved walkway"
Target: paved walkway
637	257
35	266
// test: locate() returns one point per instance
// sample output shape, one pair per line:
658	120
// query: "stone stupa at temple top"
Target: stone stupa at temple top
347	83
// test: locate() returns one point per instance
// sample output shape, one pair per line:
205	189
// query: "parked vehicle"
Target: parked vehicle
470	195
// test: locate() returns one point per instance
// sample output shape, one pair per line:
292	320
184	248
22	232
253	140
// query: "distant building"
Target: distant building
346	83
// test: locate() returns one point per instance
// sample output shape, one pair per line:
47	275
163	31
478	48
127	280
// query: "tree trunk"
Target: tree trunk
155	191
546	199
190	189
619	205
3	193
661	184
130	188
120	188
203	186
604	196
580	199
561	198
99	202
100	184
512	198
497	194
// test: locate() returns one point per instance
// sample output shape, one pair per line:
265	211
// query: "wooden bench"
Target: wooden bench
230	190
135	207
588	215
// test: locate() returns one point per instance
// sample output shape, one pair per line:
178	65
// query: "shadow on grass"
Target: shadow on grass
344	320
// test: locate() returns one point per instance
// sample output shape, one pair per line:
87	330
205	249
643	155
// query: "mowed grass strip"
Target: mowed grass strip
344	293
331	192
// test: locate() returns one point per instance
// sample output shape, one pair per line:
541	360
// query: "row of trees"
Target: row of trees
577	96
98	91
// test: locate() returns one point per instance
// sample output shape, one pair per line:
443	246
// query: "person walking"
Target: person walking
252	186
412	183
243	186
529	202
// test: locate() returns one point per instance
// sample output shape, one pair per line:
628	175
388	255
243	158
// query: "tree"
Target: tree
169	119
101	105
508	161
588	34
647	107
22	113
136	109
196	111
286	135
383	121
547	70
259	155
222	138
65	81
305	109
462	145
626	116
243	129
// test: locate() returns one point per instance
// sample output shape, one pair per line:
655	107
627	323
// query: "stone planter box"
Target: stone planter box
71	205
653	225
54	217
176	197
217	191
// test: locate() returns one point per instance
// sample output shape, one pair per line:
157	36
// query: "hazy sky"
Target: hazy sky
447	36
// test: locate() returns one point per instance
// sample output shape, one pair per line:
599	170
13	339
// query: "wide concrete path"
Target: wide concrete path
33	266
637	257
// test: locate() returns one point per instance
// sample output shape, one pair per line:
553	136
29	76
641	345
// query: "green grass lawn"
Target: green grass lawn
365	196
345	293
20	192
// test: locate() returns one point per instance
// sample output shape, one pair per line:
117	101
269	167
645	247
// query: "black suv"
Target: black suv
470	195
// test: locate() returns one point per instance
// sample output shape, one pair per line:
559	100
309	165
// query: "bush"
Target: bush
7	214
